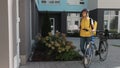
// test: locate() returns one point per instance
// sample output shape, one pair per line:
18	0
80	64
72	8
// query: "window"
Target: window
105	24
54	1
57	1
70	23
76	14
50	1
114	23
113	12
76	23
111	20
73	21
106	13
81	2
116	12
68	14
75	2
43	1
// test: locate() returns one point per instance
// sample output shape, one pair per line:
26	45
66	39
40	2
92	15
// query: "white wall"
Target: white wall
92	4
4	37
109	4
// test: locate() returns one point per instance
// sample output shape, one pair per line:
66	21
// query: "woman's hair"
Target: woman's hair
85	10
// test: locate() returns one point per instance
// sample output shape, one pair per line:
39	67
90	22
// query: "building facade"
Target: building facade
19	20
15	36
64	14
107	13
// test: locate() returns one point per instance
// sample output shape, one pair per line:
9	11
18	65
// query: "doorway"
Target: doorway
52	21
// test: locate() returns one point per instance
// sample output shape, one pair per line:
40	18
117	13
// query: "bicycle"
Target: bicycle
103	47
102	50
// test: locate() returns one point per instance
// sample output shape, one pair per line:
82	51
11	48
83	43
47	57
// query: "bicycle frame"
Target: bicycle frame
90	54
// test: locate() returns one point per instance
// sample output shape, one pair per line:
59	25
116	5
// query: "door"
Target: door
52	21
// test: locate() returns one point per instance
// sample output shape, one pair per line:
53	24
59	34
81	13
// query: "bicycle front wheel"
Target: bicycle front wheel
88	57
103	50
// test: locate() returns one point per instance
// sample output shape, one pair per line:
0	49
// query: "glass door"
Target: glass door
52	20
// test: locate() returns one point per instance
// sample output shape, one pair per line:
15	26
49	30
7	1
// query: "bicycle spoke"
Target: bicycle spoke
103	50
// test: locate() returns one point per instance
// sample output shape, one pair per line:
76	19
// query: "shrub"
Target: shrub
56	47
68	55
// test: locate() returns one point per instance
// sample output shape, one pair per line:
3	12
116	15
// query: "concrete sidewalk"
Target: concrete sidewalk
113	59
76	41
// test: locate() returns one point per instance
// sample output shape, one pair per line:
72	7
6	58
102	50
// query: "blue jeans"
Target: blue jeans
93	39
93	42
83	43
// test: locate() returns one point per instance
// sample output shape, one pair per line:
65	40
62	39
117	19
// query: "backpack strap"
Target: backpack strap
91	23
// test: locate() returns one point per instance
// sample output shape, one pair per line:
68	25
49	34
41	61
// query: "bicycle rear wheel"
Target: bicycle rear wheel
103	50
88	56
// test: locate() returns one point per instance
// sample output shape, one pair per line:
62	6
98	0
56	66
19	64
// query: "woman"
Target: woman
85	30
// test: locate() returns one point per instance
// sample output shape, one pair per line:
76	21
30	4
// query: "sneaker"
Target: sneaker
85	61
